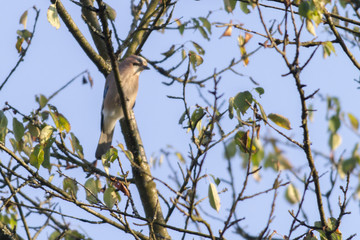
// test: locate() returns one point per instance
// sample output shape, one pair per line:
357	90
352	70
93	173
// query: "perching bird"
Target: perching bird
111	112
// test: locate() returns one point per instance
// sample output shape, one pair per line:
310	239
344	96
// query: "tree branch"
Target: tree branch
92	22
141	168
103	67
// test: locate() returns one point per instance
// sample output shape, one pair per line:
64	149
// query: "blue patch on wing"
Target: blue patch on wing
106	90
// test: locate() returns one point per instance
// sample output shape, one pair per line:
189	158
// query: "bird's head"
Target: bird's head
139	63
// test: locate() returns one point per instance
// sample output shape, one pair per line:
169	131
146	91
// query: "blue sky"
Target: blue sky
55	57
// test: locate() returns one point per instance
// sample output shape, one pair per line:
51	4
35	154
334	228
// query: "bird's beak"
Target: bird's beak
146	68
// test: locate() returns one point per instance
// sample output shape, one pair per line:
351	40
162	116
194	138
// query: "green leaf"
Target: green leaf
230	150
13	220
263	114
229	5
354	122
310	236
311	11
53	17
61	123
328	48
214	198
42	100
109	157
46	163
292	194
169	52
334	141
181	29
129	155
37	156
243	140
331	222
260	91
335	10
343	3
70	186
76	146
244	7
304	8
68	235
14	144
46	134
206	24
334	123
259	155
195	59
26	144
64	123
92	190
203	32
111	197
196	116
277	161
23	18
242	101
231	108
34	130
198	48
18	129
348	165
26	34
183	54
280	120
333	103
182	118
110	12
216	180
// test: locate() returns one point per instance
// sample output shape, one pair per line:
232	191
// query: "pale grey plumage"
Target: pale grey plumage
111	112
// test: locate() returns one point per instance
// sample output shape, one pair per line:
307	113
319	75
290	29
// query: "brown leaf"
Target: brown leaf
90	80
257	131
279	29
19	43
248	36
228	31
120	186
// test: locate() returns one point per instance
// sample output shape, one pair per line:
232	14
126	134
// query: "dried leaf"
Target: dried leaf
53	17
228	31
23	19
248	36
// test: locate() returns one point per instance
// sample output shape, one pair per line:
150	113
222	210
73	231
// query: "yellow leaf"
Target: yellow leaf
178	22
310	27
214	198
292	194
353	121
53	17
279	120
335	141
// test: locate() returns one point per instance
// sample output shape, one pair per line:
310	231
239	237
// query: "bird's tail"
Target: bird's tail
104	144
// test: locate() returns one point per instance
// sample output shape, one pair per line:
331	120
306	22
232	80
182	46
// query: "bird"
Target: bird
111	111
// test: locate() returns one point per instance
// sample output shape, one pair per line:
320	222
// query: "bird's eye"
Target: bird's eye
136	64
